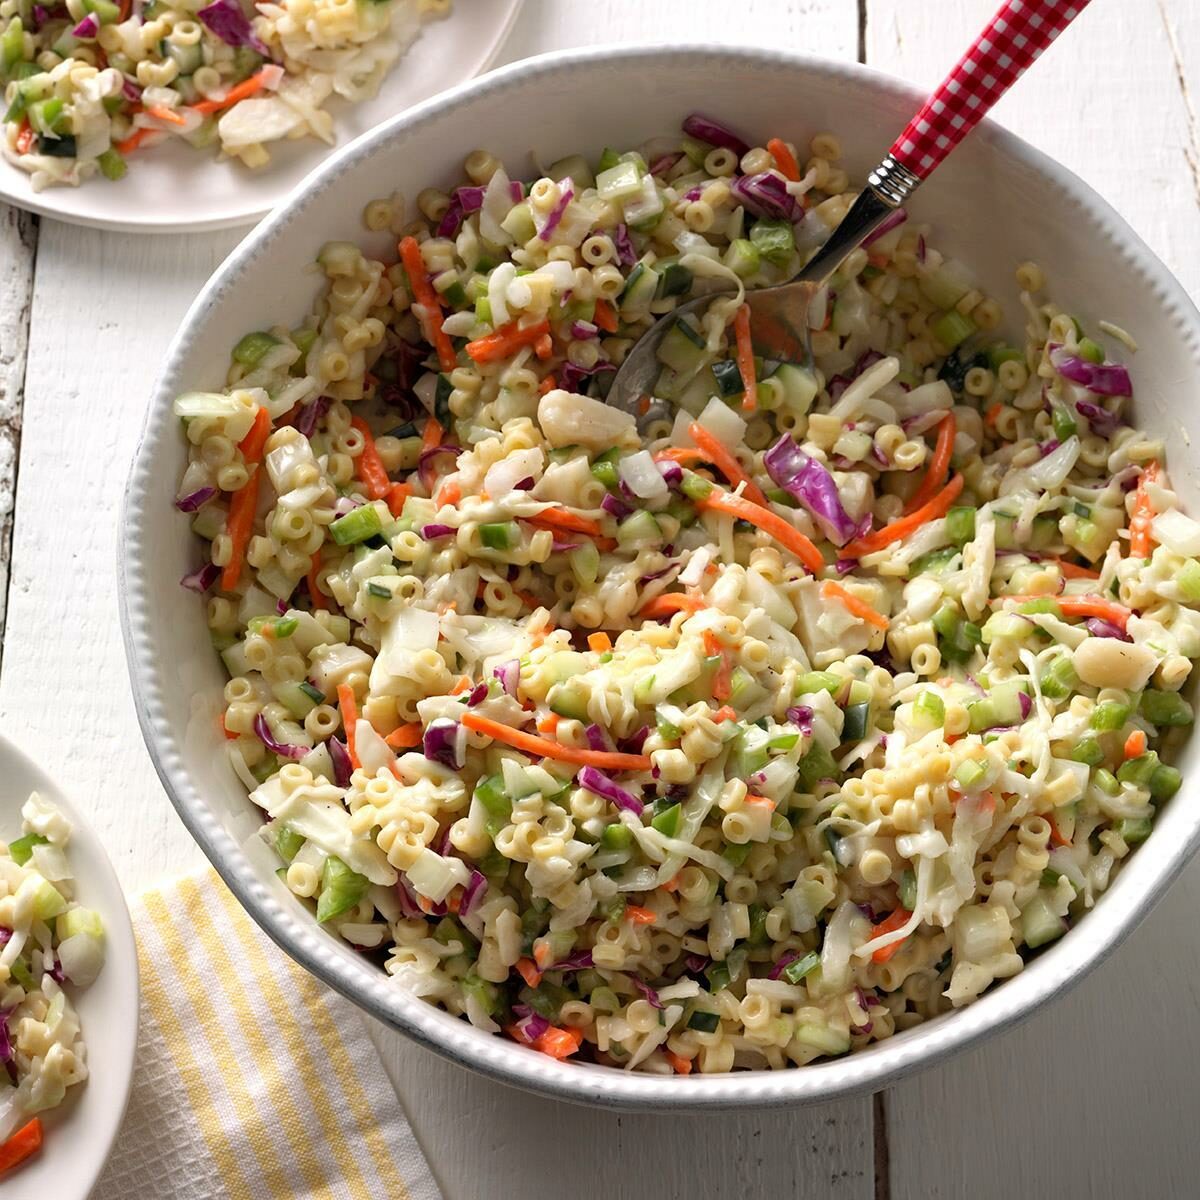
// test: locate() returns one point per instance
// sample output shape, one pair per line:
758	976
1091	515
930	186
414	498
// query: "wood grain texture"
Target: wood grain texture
1085	1098
18	243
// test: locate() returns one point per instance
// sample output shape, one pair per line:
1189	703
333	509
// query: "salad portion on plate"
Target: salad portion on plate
737	740
88	83
50	946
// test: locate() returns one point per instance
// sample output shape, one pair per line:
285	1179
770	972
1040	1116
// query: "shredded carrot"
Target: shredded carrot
1135	744
668	604
939	464
1056	837
680	454
672	884
1140	543
346	703
745	357
679	1064
25	136
370	466
405	737
507	340
859	608
639	915
724	713
449	494
726	462
239	525
765	801
425	294
989	417
431	435
931	511
163	113
541	953
397	494
561	518
547	385
124	11
605	316
1072	570
544	346
785	160
252	444
889	925
549	723
133	141
559	1043
240	91
785	533
546	748
1083	606
229	734
600	642
528	971
461	684
26	1141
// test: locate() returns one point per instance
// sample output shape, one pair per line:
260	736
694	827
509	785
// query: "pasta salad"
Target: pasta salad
89	82
745	738
47	941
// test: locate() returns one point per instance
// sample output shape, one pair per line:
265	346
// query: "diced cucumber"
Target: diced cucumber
640	288
1040	923
682	348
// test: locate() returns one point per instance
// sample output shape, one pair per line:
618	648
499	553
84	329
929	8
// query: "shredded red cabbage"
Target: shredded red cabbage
785	959
445	742
7	1052
1105	379
310	414
580	961
626	254
283	749
408	902
226	19
87	28
615	506
1098	627
465	200
40	17
201	579
898	217
597	738
810	483
516	189
660	166
191	502
531	1024
671	472
1103	423
705	129
765	195
509	674
570	375
476	887
342	766
598	782
434	531
424	464
584	330
695	962
635	741
559	546
478	695
566	195
1026	704
801	716
647	991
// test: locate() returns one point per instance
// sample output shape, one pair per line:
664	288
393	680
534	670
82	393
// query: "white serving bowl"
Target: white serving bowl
995	203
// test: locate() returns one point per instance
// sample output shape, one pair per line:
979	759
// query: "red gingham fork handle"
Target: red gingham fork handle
1012	40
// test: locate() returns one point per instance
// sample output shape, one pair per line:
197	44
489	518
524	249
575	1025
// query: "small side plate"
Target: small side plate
79	1133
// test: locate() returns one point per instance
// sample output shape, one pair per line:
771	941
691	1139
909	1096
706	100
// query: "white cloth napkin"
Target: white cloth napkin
253	1081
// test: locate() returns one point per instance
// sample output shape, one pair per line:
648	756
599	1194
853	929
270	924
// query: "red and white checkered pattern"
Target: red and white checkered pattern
1013	39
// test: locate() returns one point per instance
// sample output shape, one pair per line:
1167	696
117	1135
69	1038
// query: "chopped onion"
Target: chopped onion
566	195
765	195
283	749
786	958
626	254
801	716
1103	423
478	695
509	674
1026	704
226	19
1098	627
424	464
342	766
445	742
705	129
81	956
596	781
191	502
87	28
476	887
437	530
647	991
584	330
615	506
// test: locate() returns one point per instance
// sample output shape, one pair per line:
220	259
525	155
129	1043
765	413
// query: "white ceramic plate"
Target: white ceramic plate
80	1132
996	202
173	188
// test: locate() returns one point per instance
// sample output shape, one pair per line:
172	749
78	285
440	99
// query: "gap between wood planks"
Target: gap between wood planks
18	250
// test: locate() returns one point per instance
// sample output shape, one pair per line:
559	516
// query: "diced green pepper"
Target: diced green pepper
357	525
1109	715
341	889
287	843
960	525
21	850
774	240
1087	750
252	348
1163	709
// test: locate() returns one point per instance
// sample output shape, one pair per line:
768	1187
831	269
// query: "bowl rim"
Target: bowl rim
869	1069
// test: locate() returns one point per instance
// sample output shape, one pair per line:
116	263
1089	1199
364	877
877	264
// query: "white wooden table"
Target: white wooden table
1093	1098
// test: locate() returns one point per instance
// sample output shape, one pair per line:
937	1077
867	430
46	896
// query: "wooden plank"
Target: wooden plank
1033	1113
18	243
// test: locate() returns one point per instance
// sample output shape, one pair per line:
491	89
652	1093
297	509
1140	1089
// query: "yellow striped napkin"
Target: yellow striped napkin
253	1081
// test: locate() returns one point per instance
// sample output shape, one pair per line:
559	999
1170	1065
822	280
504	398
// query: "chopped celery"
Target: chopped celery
908	889
798	968
1165	782
1087	750
997	356
490	792
969	774
696	487
929	710
817	681
1165	708
774	240
1058	680
251	349
112	165
1040	923
486	995
816	765
952	328
1134	829
341	889
1109	715
1140	770
21	850
502	535
287	843
1107	782
960	525
1063	423
743	258
357	525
